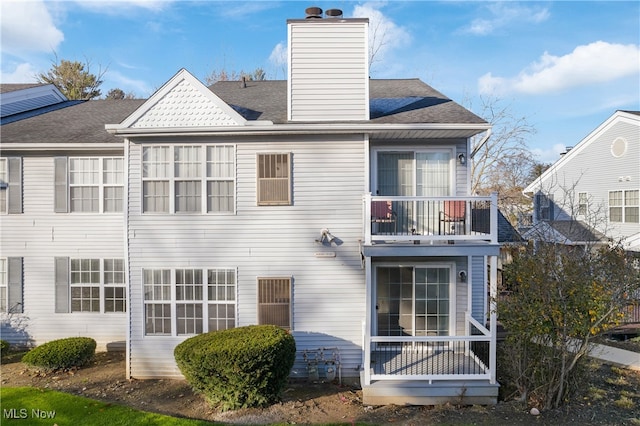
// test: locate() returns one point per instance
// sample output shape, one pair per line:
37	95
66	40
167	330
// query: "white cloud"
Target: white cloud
114	7
596	62
550	155
27	26
505	14
278	56
127	84
384	35
23	73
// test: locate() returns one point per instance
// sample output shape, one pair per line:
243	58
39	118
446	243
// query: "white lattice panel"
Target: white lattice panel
184	106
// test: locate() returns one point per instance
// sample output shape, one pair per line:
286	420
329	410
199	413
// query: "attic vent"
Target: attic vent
313	13
334	13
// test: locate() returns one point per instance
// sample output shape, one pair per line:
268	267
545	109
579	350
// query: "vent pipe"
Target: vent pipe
313	13
334	13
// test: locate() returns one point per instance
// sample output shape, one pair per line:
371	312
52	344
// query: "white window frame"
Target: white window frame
170	300
204	172
101	284
624	205
103	182
4	286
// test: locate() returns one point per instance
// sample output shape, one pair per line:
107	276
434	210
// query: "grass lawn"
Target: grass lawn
31	406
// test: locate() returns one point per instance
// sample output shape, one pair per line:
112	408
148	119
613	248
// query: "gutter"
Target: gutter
315	128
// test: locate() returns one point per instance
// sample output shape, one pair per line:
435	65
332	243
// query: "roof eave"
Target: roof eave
457	129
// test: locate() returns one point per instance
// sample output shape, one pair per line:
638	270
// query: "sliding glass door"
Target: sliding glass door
415	174
414	300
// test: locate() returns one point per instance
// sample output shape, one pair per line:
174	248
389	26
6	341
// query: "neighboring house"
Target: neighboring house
591	194
61	220
331	204
20	101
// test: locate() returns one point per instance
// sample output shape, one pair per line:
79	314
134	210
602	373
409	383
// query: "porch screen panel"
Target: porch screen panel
274	301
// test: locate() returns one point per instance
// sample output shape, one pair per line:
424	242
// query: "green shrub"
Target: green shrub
62	353
240	367
4	347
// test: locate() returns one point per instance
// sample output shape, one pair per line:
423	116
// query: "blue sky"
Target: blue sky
565	65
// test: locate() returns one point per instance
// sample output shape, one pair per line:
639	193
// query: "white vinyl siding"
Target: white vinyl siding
278	241
188	179
328	71
35	238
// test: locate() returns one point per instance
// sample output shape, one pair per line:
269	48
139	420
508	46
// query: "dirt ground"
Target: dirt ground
611	398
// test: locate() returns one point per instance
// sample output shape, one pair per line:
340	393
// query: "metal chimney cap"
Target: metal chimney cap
333	13
313	12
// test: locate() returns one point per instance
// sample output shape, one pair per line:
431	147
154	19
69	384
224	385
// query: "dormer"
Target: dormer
328	76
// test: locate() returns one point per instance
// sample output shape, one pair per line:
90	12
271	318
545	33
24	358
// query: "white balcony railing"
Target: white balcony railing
430	219
431	358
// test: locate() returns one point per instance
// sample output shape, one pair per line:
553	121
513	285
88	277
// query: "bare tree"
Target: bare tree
224	75
502	163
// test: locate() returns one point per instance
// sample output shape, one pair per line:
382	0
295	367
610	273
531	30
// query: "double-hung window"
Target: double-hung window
187	301
96	184
97	285
88	184
89	285
583	203
188	179
624	206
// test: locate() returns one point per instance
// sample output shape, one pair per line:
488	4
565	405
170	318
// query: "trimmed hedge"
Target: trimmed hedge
240	367
62	353
4	347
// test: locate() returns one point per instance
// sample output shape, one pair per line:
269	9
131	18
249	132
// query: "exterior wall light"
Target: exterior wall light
461	158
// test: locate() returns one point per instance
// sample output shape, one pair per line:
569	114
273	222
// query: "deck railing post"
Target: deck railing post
366	217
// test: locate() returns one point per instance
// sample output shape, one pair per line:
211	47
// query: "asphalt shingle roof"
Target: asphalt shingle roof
391	101
79	123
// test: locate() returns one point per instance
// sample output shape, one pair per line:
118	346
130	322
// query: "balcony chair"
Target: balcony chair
452	218
382	213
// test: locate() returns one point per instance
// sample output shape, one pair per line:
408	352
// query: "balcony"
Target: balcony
430	220
431	369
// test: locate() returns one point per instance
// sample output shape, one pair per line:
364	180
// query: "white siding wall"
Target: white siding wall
328	293
39	235
328	71
596	171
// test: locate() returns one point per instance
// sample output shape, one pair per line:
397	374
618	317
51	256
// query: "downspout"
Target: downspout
125	208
